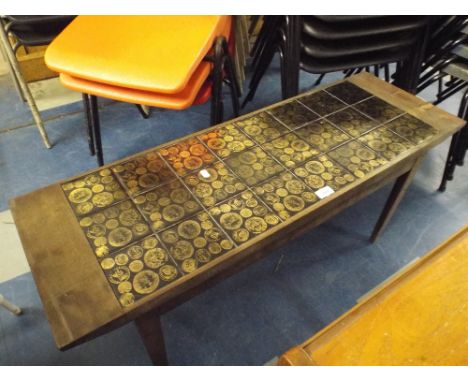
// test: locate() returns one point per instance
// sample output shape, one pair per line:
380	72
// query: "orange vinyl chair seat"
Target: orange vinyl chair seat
196	92
149	53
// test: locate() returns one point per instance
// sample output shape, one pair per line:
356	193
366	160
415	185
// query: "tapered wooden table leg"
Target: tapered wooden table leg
149	327
396	195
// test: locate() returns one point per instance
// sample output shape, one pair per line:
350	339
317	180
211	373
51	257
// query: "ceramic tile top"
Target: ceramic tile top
321	172
114	227
196	241
226	140
262	127
168	212
187	156
386	143
322	103
322	135
285	194
244	217
378	109
348	92
214	184
411	128
139	269
293	114
352	122
143	173
253	166
167	204
290	150
93	192
356	158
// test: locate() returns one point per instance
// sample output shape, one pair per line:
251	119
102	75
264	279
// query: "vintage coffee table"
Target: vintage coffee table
132	240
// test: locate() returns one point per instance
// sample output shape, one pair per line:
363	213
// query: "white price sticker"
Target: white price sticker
324	192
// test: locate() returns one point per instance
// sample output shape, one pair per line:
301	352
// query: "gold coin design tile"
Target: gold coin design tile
195	242
93	192
214	184
321	172
348	92
322	103
285	194
167	204
139	269
356	158
244	216
411	128
253	166
187	156
378	109
353	122
322	135
226	140
385	142
290	150
114	227
262	127
293	114
143	173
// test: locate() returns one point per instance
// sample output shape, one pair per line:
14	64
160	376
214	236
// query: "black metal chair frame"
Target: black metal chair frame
222	71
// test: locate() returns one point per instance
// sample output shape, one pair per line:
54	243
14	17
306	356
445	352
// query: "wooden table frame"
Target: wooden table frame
69	307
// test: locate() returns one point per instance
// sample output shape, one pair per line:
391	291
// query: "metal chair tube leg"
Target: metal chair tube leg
24	87
89	123
96	130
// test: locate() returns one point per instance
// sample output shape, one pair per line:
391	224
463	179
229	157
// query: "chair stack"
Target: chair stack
447	55
28	31
338	43
170	62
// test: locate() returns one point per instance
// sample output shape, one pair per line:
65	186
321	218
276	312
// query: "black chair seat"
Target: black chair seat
324	31
37	34
312	65
461	51
329	49
29	20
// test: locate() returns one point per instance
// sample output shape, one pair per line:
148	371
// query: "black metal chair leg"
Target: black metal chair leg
96	130
89	122
319	80
217	80
230	70
144	110
449	164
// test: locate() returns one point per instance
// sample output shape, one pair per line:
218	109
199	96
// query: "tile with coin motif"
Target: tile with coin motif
285	194
290	150
357	158
353	122
321	172
293	114
167	204
196	241
385	142
187	156
214	184
139	270
93	192
114	227
262	127
322	103
348	92
226	140
378	109
322	135
411	128
143	173
253	166
244	216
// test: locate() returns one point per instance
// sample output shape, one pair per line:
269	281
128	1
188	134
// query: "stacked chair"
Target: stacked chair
447	55
324	44
27	31
170	62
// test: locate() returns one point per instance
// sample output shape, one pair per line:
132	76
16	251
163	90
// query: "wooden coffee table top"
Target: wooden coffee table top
106	246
